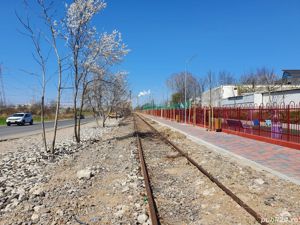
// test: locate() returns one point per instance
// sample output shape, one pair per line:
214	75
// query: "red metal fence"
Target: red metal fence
279	124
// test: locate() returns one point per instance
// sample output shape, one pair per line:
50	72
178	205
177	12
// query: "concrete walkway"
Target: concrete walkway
281	161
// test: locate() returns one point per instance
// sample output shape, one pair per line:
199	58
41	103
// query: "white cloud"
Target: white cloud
144	93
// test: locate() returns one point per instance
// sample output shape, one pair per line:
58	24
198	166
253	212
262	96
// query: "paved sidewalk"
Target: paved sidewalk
281	161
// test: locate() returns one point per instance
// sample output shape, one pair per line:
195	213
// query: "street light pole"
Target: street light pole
185	76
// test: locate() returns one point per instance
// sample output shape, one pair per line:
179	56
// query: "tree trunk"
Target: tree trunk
94	112
49	20
75	117
76	83
43	121
80	111
43	103
57	107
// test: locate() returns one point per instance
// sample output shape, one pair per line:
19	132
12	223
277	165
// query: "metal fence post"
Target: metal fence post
288	123
194	116
204	118
259	118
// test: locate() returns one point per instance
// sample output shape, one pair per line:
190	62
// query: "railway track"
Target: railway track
153	172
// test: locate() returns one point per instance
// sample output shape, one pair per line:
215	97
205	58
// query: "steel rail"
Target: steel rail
239	201
152	205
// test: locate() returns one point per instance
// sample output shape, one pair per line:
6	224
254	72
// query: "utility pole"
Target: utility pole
185	75
2	92
34	90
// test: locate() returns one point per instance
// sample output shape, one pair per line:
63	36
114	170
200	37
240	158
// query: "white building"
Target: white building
281	97
276	98
215	96
228	95
254	99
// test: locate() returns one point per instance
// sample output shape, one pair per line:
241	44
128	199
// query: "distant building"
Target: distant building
281	97
291	77
276	98
283	91
214	96
248	99
237	95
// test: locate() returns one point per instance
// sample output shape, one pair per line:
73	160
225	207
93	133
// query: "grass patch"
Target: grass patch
2	121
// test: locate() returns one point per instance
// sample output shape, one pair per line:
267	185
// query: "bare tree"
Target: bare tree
263	79
202	82
116	94
268	78
109	93
250	80
52	24
176	82
225	78
93	100
210	82
41	60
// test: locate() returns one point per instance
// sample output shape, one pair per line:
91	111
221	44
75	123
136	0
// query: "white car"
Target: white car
20	119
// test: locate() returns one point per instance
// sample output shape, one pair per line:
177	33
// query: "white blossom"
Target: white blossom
111	47
80	12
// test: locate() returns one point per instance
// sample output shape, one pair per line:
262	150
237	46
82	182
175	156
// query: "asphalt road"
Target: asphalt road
15	131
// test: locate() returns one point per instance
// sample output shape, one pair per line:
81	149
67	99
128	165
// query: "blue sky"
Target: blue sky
232	35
